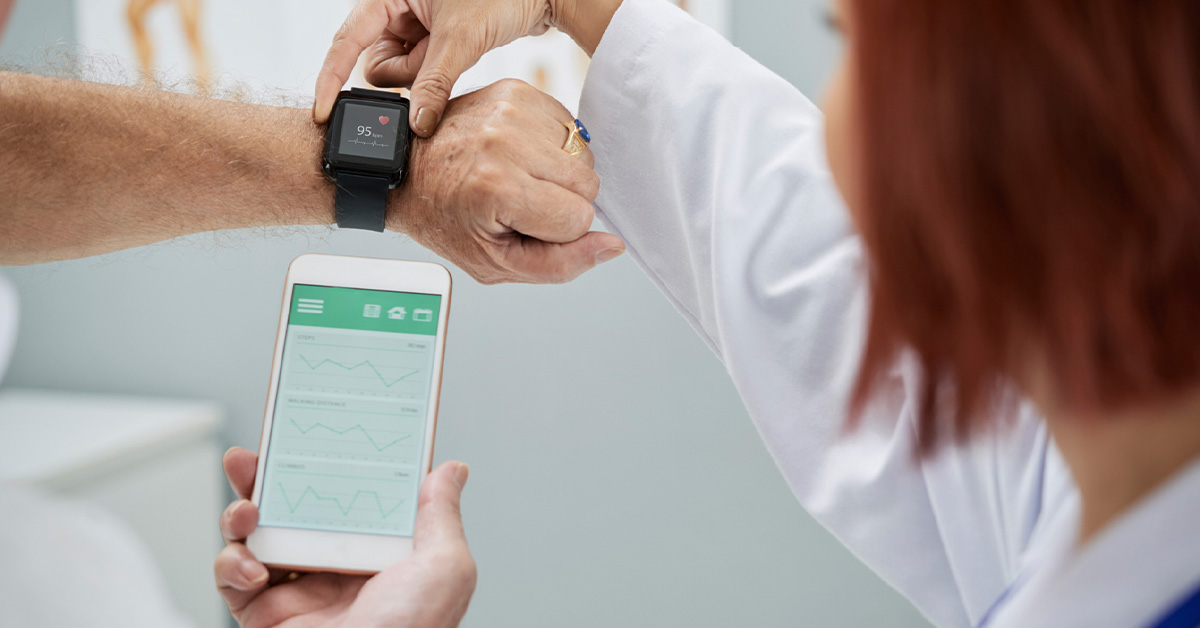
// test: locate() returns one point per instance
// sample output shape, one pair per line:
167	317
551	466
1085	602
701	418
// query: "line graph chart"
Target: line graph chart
367	363
324	496
348	431
343	364
343	432
337	501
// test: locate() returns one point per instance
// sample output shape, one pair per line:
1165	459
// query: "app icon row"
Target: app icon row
397	313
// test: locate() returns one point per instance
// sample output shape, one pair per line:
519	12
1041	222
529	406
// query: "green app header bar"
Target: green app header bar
368	310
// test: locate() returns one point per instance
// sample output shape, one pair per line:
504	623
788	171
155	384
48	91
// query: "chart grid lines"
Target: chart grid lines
349	429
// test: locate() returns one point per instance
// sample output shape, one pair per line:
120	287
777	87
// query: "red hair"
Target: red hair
1033	190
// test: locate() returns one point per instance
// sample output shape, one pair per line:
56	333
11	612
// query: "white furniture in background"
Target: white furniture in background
155	463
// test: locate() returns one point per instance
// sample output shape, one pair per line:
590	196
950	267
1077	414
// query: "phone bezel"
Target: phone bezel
347	552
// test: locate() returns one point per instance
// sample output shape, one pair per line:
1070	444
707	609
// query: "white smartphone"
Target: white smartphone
348	431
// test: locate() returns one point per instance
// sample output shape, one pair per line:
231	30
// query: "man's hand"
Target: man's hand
494	192
429	589
87	169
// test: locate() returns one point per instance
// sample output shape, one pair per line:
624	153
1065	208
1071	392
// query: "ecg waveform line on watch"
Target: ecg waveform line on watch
366	363
360	428
308	490
371	143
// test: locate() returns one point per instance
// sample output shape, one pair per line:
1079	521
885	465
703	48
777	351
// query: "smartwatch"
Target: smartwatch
366	154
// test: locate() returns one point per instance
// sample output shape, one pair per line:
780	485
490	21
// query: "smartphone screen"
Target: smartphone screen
349	428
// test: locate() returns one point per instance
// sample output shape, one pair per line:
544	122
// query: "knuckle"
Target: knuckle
373	69
425	499
504	110
592	188
513	87
484	181
436	83
578	218
225	561
342	35
490	136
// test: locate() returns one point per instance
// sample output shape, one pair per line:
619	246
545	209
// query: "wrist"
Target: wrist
584	20
398	199
292	169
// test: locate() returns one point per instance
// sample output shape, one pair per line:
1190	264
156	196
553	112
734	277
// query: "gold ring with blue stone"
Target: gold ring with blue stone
578	138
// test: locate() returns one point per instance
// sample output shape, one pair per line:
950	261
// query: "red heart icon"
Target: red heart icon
383	119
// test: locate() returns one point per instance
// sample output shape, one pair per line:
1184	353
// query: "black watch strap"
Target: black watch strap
361	201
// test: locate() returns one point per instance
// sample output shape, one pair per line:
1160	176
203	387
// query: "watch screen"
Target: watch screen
369	131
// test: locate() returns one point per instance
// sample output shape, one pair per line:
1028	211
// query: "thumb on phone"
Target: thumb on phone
439	513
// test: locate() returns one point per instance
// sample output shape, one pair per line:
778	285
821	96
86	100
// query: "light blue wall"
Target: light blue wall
790	37
616	479
34	26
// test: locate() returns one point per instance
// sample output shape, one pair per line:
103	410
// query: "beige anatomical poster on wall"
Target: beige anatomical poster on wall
276	46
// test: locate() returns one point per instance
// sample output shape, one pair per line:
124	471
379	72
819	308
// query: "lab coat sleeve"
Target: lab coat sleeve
713	172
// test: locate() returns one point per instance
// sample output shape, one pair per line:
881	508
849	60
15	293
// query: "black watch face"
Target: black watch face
368	136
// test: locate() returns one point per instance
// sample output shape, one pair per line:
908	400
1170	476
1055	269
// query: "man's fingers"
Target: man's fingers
445	60
240	465
574	173
240	576
367	21
238	521
543	157
439	513
547	212
536	261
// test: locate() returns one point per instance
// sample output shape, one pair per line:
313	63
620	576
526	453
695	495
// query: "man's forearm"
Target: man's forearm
87	168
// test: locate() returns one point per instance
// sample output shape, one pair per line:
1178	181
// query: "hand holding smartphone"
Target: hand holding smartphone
351	413
432	586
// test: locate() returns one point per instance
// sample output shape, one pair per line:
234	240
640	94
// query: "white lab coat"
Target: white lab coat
713	171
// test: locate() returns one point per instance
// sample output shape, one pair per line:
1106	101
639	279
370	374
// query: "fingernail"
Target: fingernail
238	506
461	473
426	121
254	573
608	255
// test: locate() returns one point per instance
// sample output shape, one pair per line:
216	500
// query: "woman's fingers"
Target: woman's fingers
393	63
238	521
366	23
449	55
314	600
240	576
240	465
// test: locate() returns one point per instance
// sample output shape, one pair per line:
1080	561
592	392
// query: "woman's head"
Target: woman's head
1026	178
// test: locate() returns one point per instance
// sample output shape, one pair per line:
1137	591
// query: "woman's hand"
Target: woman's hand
423	43
428	44
429	589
